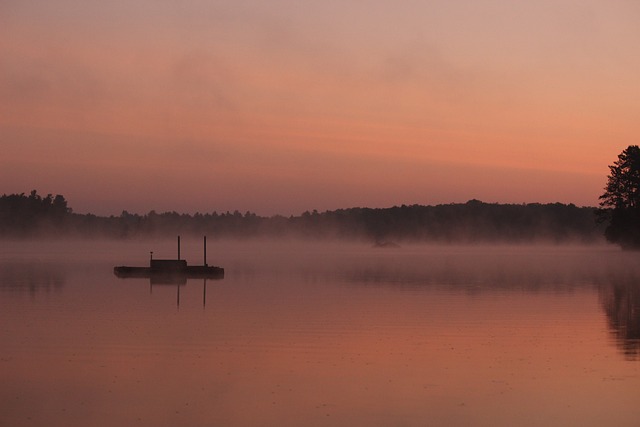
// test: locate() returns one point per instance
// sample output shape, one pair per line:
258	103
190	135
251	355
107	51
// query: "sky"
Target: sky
283	106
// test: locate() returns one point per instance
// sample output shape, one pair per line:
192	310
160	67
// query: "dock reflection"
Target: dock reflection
178	282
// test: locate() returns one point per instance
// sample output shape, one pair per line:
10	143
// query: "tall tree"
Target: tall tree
620	203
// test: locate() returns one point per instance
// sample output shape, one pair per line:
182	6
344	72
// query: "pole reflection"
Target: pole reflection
178	282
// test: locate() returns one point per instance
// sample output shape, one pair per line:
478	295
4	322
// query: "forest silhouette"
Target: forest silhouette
32	215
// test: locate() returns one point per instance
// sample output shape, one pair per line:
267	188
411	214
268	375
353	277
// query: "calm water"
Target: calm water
320	335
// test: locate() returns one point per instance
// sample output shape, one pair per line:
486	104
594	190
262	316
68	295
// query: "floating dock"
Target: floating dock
172	268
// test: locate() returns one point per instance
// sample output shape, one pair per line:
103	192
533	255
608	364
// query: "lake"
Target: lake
320	334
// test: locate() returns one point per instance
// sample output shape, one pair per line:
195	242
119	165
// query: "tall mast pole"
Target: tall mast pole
205	251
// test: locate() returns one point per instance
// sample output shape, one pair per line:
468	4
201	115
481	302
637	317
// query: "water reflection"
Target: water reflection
168	281
474	270
621	302
440	336
31	277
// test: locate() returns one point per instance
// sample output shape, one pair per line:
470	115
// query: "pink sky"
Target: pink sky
286	106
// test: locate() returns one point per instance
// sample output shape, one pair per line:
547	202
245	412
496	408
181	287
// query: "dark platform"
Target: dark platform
171	270
159	268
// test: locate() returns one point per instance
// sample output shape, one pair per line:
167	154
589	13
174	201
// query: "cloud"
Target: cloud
46	80
203	80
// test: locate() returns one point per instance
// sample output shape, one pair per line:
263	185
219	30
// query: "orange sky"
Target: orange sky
284	106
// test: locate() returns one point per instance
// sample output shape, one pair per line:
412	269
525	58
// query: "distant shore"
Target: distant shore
23	216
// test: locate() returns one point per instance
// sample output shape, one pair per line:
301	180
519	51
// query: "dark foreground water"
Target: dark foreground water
320	335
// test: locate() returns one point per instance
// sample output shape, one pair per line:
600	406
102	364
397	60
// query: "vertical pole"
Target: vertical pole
205	251
178	247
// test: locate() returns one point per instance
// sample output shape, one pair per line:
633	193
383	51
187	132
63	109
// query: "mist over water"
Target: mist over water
330	333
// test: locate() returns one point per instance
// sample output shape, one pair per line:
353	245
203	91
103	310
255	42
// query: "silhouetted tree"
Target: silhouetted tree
620	203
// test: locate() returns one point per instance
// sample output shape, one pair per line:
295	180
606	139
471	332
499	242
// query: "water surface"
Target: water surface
320	335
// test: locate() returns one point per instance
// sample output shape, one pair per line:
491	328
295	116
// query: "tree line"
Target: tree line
22	215
618	219
474	221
